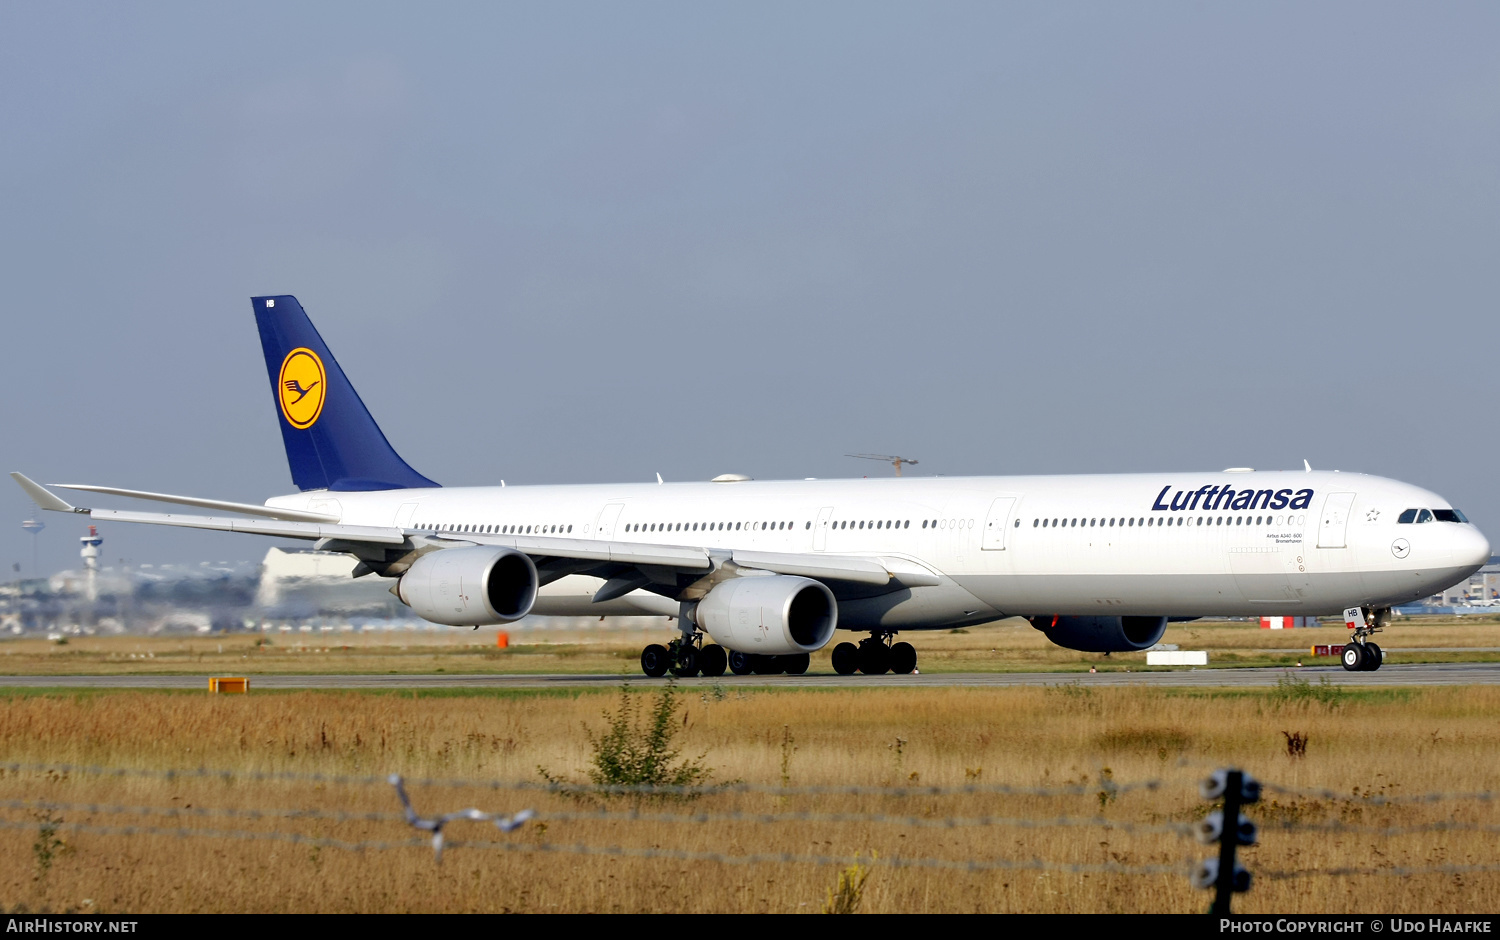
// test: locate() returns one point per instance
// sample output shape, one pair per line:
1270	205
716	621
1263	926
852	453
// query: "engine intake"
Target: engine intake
774	615
1102	634
470	587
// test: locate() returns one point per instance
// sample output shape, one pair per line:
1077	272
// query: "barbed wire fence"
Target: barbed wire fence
1219	802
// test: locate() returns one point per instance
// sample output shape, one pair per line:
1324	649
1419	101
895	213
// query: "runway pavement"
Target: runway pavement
1390	675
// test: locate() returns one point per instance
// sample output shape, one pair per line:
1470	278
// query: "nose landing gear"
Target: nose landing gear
1361	654
875	655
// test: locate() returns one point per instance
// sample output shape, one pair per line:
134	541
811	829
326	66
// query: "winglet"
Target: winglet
42	496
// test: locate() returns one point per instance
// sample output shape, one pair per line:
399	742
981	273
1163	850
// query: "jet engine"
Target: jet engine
773	615
1102	634
470	587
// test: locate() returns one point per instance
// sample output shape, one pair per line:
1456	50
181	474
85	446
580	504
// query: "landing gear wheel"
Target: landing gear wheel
712	660
1373	657
654	660
740	664
796	664
687	663
874	658
845	659
1354	657
903	659
765	665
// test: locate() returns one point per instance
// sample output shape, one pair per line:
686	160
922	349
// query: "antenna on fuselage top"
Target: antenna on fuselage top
888	458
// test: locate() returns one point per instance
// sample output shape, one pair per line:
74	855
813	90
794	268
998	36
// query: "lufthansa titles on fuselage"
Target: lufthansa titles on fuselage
1216	497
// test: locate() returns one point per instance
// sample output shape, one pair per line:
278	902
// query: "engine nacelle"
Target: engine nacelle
470	587
1102	634
774	615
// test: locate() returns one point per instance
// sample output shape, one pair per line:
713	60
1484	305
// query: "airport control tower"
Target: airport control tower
90	553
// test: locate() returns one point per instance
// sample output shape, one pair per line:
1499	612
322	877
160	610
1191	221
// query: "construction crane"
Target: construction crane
888	458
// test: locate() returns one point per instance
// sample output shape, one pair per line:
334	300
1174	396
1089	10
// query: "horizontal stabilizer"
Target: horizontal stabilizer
248	509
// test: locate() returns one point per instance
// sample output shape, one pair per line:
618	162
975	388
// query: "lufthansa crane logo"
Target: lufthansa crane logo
300	387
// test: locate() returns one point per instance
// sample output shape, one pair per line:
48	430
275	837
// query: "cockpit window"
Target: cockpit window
1424	516
1408	517
1449	515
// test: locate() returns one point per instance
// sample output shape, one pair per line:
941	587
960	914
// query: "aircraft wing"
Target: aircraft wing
283	528
879	570
578	554
244	509
290	530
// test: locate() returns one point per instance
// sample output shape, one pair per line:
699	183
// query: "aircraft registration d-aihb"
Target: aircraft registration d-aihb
758	575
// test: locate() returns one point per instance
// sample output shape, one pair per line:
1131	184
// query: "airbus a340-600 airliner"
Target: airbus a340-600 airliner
760	574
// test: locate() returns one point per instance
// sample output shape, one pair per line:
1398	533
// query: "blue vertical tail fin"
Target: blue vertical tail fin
331	441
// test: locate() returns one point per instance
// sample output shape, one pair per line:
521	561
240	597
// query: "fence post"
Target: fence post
1229	840
1231	830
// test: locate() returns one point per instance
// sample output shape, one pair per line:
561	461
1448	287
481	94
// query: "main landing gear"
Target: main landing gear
1360	653
684	657
744	664
875	655
687	656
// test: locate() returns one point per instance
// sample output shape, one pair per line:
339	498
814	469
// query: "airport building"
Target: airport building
1480	594
290	590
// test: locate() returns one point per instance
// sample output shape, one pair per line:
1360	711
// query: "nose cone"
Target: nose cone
1470	548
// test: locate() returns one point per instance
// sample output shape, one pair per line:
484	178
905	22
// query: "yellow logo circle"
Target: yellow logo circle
301	387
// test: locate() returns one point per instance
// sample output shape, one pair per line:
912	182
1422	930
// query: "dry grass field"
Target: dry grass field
1361	744
604	649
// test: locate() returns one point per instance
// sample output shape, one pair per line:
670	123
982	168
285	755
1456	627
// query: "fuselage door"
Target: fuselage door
820	529
1333	528
607	518
996	524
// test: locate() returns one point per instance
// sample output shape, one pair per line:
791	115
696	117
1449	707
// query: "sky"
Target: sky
592	242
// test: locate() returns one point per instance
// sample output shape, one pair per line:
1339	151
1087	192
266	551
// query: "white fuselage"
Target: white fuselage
1177	545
